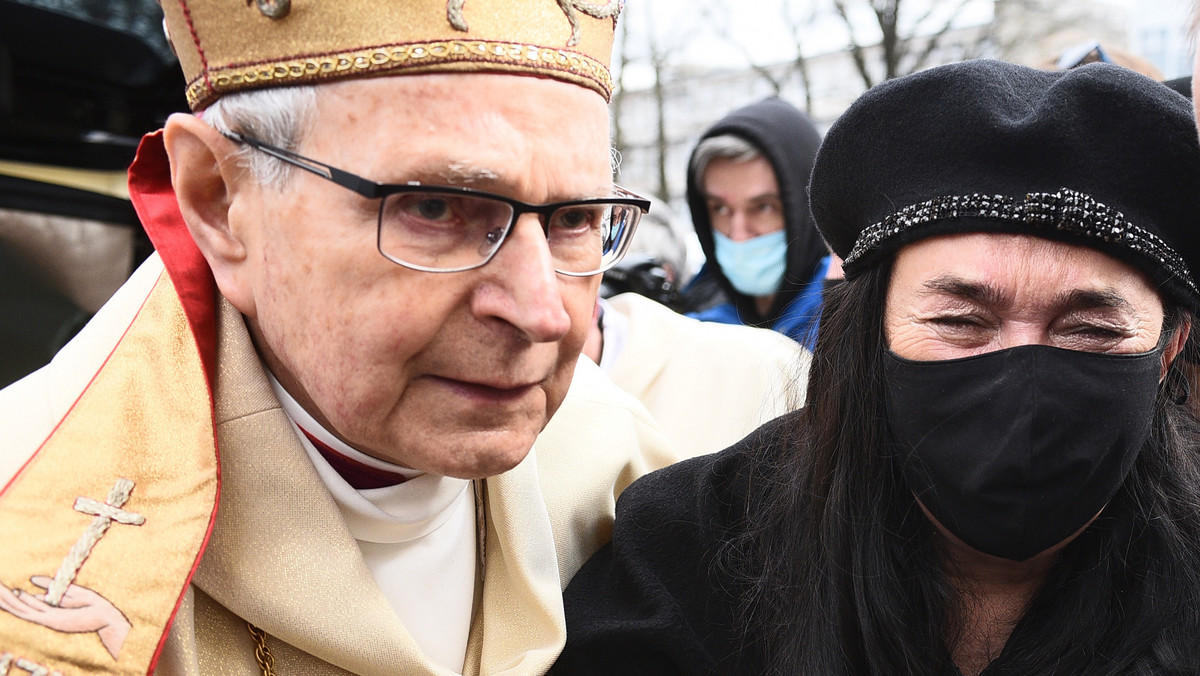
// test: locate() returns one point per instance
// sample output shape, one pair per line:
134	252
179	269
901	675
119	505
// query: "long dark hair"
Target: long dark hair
840	573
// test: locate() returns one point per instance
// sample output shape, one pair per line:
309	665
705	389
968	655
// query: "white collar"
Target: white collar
399	513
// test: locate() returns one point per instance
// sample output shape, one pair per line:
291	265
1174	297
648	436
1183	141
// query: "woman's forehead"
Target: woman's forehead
1017	265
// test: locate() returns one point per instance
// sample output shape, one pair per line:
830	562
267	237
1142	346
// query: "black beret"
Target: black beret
1097	155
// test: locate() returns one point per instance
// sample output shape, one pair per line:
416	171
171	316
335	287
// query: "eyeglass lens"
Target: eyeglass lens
442	231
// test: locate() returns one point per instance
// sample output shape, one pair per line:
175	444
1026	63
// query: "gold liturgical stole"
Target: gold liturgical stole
103	528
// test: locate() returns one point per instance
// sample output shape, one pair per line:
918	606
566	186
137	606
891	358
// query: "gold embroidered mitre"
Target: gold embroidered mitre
232	45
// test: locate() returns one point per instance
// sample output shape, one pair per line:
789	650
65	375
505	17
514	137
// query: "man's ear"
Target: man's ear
207	179
1174	346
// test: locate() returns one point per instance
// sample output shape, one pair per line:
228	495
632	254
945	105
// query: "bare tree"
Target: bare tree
681	70
617	108
904	46
796	27
716	16
660	55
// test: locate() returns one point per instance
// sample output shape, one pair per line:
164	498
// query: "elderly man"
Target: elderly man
371	290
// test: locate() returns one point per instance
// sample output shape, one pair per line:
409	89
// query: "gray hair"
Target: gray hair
278	116
722	147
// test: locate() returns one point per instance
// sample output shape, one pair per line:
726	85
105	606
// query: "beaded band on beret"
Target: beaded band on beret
1097	156
231	45
1063	210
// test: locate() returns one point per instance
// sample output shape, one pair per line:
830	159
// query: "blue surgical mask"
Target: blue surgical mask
754	266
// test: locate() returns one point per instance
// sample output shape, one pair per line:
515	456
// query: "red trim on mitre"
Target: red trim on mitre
154	200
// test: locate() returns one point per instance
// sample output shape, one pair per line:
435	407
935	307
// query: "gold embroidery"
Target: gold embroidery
67	607
421	55
7	661
146	416
611	9
454	14
105	513
273	9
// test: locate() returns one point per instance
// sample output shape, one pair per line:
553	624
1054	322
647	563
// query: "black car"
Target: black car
80	82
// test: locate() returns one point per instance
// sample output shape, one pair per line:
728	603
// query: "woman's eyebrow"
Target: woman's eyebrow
1075	299
947	284
1088	299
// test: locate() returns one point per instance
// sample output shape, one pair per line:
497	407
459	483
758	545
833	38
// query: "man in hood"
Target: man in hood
746	191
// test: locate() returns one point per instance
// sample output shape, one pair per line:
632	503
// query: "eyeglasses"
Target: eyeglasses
448	229
1082	54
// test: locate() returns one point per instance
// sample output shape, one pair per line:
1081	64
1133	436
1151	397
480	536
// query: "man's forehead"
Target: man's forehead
466	130
725	169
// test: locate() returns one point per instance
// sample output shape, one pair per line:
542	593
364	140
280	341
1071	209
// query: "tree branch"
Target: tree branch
800	63
618	99
856	50
721	26
936	38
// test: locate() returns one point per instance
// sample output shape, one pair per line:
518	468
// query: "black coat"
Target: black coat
660	599
652	601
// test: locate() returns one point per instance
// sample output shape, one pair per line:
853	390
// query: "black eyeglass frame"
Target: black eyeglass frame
375	190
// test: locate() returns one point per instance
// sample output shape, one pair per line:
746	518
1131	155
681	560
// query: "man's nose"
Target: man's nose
523	288
739	226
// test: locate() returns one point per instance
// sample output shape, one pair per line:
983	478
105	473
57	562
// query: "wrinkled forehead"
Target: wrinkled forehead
475	129
1019	268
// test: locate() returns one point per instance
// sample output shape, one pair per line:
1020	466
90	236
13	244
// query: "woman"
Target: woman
994	473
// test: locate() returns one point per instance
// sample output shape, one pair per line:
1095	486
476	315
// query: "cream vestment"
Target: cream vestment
707	384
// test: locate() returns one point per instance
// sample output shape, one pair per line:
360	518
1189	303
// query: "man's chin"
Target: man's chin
485	465
472	455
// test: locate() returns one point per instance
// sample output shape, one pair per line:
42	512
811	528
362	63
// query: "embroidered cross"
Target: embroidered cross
7	661
104	513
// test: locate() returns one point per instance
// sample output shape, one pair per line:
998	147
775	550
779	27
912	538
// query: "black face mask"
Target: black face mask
1015	450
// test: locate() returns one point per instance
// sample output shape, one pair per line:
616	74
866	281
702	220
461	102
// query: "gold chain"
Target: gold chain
266	661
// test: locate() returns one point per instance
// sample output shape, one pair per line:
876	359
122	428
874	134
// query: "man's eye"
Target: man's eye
572	219
432	208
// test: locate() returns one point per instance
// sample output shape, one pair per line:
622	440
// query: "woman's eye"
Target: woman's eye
957	321
1099	332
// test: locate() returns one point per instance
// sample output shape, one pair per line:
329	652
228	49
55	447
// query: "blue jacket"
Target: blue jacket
798	320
